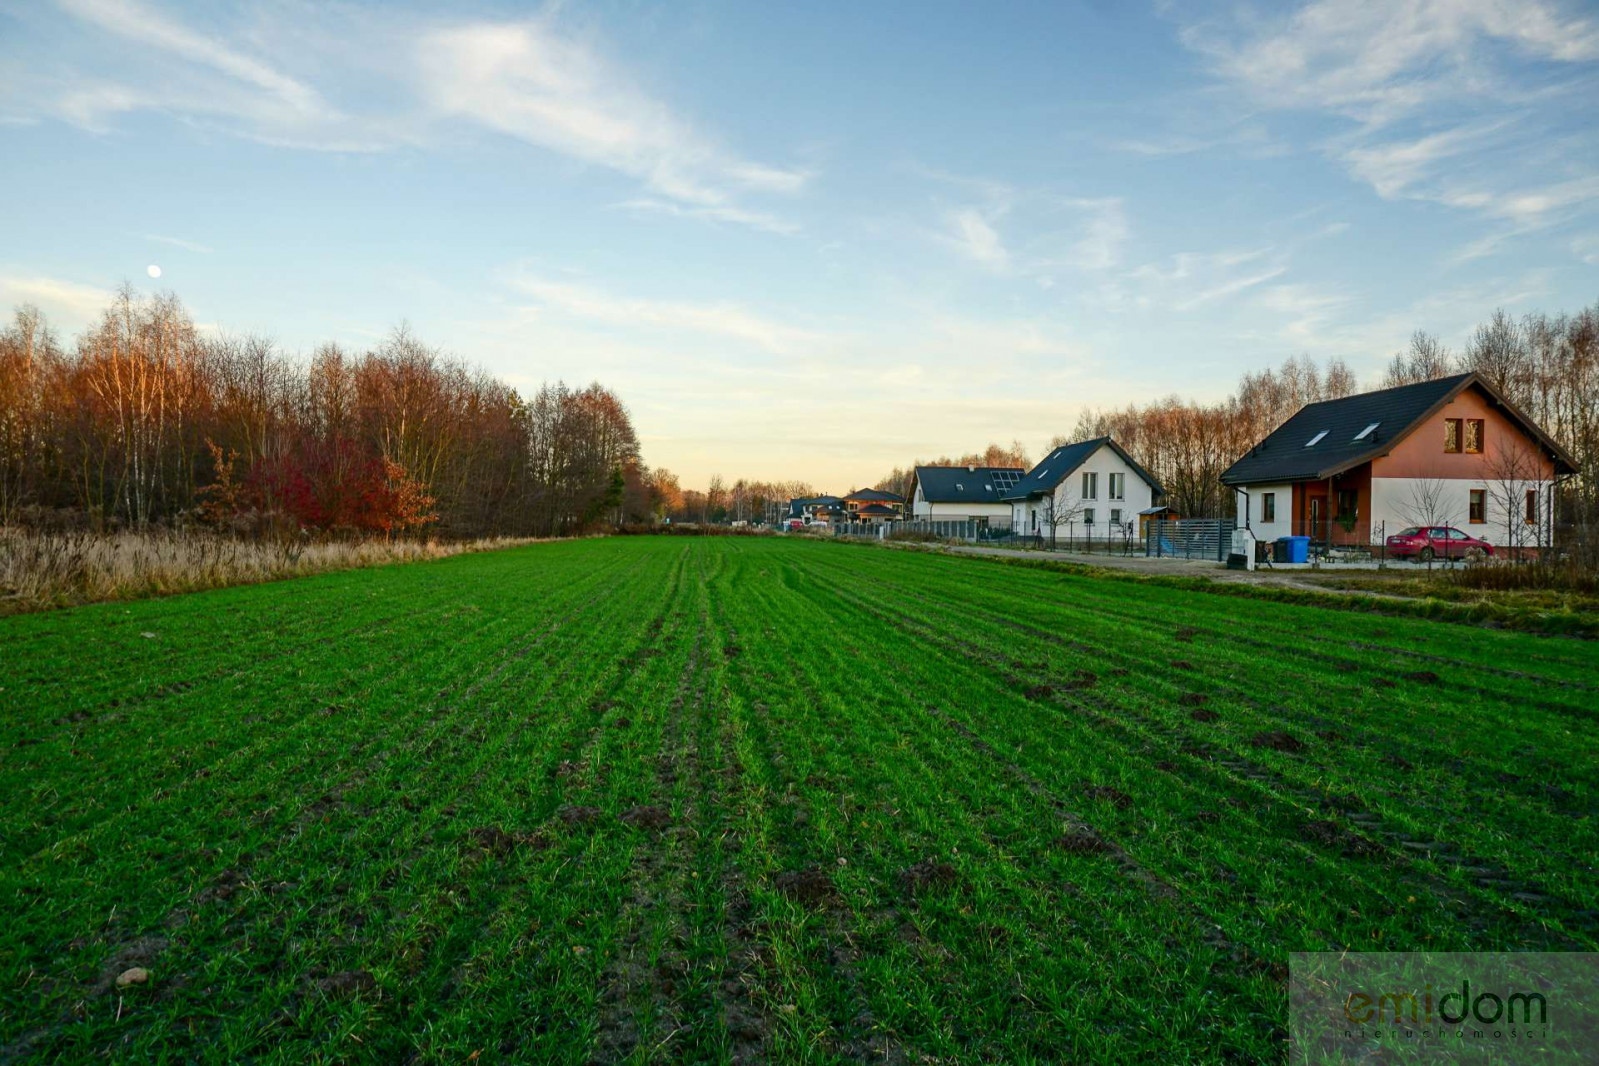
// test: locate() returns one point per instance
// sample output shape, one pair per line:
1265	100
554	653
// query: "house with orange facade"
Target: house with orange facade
873	506
1450	452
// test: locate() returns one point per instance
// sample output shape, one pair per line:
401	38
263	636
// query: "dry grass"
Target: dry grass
39	571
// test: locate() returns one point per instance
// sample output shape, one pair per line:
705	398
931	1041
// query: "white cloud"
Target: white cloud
526	81
1406	72
1379	61
1394	167
142	25
177	242
74	303
727	320
417	80
973	236
1190	280
1099	243
759	220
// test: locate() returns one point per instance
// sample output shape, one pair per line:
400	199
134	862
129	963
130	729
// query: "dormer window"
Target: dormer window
1313	440
1368	431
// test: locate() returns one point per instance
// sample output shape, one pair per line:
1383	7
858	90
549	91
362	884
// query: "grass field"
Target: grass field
682	799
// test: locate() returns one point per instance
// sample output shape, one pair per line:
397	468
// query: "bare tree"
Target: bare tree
1056	512
1514	472
1424	360
1427	506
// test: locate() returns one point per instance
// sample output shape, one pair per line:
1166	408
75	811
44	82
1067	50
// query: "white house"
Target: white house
1089	489
1449	452
961	493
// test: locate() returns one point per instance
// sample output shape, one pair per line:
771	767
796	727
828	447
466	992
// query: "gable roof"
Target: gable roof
963	484
1059	464
875	494
1324	439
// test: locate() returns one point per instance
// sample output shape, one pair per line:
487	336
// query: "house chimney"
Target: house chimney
971	468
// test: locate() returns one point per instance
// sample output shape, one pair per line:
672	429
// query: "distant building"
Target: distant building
816	508
1092	488
1451	452
960	493
873	505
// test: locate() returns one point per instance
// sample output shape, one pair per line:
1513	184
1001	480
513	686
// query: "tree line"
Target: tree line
146	419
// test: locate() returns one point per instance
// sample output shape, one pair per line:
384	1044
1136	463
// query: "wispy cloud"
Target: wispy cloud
176	242
73	301
143	25
1379	62
971	234
424	80
759	220
529	82
1032	233
1393	168
1453	102
719	319
1193	279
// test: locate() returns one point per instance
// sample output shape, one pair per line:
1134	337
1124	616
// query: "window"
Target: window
1268	507
1479	505
1088	517
1532	507
1316	438
1474	436
1348	504
1451	435
1118	487
1090	486
1115	514
1363	434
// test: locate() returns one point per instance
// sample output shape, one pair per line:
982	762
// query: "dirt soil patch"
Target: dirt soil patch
1277	740
811	886
1082	842
647	817
926	876
1114	796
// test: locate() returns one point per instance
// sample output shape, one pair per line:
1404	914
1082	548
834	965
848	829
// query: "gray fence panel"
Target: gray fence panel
1190	538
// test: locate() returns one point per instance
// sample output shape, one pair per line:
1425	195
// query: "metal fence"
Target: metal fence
1190	538
976	531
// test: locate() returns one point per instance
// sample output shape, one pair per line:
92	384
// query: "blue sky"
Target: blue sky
813	241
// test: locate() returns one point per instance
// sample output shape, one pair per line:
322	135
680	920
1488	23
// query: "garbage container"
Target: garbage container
1279	550
1298	549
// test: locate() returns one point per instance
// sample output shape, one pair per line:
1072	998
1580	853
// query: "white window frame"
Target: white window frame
1090	485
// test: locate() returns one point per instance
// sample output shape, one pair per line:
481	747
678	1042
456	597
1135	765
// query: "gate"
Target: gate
1190	538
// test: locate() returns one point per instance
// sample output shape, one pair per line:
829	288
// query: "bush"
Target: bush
1506	575
40	570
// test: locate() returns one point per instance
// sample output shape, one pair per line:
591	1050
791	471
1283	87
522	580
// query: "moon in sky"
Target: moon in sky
153	270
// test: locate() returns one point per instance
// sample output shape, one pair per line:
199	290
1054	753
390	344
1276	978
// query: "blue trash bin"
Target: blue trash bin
1298	549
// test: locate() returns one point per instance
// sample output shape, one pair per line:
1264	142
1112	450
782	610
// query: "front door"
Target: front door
1318	516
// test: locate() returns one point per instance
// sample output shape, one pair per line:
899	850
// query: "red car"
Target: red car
1426	543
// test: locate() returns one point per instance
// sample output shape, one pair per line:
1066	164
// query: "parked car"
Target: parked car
1425	543
796	523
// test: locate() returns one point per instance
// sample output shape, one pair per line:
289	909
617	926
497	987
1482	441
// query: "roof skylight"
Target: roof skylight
1367	431
1311	442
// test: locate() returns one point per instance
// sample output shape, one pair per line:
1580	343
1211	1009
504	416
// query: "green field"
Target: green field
758	799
